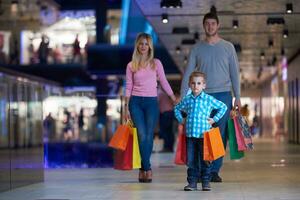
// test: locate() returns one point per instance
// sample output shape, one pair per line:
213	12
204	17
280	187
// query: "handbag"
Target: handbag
233	147
180	155
213	147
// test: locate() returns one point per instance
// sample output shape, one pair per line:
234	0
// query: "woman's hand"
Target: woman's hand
126	113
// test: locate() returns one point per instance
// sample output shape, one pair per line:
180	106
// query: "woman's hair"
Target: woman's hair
196	74
137	56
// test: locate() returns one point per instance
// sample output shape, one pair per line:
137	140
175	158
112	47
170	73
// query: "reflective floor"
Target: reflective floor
271	171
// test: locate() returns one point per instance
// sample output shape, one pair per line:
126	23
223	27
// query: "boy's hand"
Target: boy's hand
211	121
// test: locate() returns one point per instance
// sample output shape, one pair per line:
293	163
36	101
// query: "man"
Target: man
216	58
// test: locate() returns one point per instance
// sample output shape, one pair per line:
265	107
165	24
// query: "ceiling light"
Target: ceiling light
235	24
289	8
271	43
164	18
170	4
178	49
262	55
185	60
213	9
285	33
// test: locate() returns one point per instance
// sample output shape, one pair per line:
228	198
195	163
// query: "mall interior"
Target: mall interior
62	80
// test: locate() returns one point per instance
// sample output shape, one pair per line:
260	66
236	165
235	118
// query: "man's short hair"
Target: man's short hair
211	15
197	74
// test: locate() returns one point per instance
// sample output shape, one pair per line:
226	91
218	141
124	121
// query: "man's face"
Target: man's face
197	84
211	27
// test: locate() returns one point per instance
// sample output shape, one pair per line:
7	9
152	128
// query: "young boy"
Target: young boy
198	106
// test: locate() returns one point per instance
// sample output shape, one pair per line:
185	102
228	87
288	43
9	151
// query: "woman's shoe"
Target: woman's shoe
142	176
148	176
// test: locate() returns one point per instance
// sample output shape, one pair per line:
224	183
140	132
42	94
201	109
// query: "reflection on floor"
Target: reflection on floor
271	171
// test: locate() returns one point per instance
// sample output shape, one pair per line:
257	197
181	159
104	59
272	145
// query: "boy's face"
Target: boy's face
197	84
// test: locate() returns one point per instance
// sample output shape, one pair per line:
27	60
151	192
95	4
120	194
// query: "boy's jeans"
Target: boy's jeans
194	147
144	113
226	98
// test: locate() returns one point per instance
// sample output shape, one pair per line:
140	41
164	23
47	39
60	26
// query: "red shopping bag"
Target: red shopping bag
213	147
123	159
180	155
239	135
120	138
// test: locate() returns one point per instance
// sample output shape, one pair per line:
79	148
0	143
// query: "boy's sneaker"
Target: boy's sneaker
215	177
190	187
206	186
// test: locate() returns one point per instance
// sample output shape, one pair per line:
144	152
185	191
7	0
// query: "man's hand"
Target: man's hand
237	103
211	121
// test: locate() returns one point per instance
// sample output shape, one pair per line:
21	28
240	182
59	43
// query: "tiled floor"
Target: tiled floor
271	171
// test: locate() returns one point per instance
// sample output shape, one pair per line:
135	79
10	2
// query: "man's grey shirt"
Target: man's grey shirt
219	62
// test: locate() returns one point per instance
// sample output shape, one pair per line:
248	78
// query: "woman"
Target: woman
142	74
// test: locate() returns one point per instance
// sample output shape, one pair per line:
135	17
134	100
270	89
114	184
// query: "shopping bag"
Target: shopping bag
180	155
136	156
120	138
239	135
233	147
123	159
245	129
213	147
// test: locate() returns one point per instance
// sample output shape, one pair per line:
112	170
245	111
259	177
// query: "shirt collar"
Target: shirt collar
201	95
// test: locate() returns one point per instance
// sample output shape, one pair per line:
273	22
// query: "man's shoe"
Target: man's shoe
190	187
206	186
215	178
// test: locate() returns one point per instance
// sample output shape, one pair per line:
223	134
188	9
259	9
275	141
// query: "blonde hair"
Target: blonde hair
196	74
137	57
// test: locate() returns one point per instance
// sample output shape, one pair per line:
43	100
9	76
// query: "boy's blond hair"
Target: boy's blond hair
197	74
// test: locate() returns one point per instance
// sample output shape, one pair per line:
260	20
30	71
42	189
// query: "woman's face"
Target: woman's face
143	46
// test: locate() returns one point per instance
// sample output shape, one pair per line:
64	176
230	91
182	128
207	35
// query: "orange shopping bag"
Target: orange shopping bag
213	147
180	155
120	138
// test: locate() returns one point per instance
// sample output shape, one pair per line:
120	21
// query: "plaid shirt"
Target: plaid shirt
198	109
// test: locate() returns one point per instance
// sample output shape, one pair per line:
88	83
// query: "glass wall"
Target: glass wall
21	129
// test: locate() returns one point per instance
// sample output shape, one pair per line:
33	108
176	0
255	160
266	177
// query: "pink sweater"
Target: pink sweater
144	82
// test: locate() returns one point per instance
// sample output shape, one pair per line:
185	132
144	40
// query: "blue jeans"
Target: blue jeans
226	98
144	114
194	148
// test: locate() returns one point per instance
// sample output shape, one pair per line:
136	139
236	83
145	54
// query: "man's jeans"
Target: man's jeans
226	98
144	114
194	148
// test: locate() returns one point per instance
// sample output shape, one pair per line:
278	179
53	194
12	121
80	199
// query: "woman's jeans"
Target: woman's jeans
226	98
144	113
194	147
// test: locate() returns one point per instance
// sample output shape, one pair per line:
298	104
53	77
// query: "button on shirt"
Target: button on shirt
198	110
